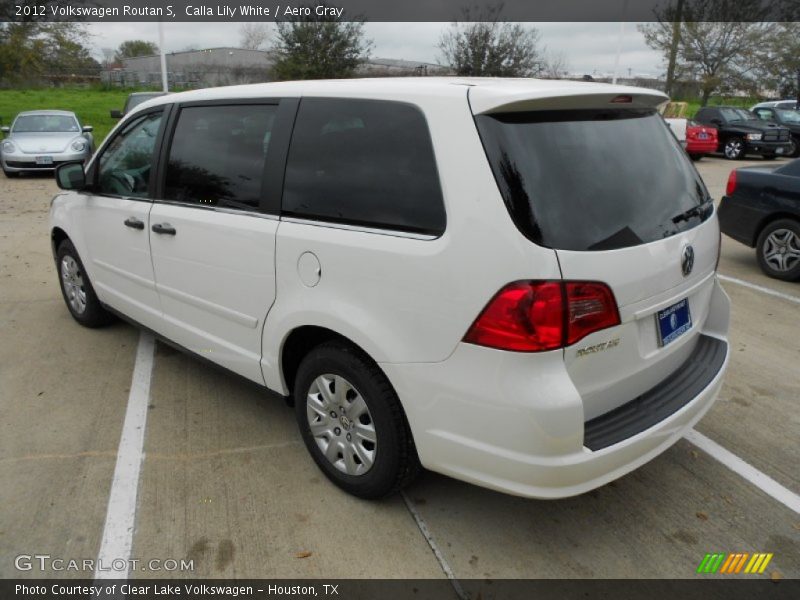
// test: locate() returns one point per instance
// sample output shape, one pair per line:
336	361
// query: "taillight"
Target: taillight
731	187
534	316
590	307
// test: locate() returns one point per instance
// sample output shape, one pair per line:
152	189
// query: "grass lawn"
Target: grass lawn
90	104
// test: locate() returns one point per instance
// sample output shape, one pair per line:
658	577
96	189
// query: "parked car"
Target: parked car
700	140
761	209
40	140
786	118
449	272
678	127
741	132
134	100
790	104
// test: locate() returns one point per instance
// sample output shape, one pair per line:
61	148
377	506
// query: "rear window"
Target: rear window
593	180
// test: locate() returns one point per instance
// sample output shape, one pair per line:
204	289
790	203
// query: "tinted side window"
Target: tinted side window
126	163
363	162
217	155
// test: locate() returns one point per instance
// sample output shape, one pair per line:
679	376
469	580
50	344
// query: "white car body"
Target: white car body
678	127
233	287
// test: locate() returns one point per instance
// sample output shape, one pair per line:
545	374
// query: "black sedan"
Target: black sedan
761	208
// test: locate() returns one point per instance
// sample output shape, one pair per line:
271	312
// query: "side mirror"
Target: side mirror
5	129
116	114
87	128
70	176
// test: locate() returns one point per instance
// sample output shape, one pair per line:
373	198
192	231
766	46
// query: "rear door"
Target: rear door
613	193
212	229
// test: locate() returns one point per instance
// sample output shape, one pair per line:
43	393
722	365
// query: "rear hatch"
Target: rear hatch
597	176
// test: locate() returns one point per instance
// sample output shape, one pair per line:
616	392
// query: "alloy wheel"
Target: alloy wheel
72	279
734	149
341	424
781	250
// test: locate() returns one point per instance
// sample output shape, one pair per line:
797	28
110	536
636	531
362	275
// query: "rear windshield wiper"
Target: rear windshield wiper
701	210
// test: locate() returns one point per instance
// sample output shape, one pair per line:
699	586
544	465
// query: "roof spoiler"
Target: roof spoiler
582	96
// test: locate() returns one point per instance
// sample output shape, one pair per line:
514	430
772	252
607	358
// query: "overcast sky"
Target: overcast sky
587	47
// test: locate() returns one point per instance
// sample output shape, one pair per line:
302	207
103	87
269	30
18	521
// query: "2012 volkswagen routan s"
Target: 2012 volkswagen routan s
511	282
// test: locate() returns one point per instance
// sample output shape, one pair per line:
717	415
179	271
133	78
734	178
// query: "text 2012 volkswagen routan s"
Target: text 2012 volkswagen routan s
511	282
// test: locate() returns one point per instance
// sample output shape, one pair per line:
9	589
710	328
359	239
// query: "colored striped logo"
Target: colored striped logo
737	562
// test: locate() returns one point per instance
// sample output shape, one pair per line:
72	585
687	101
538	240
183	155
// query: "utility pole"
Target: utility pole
798	89
164	80
673	49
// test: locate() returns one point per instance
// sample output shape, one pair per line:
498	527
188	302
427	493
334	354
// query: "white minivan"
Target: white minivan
511	282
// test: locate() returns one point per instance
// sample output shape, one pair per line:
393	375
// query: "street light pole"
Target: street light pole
164	81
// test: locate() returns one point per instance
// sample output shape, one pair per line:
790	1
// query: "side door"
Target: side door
213	227
116	218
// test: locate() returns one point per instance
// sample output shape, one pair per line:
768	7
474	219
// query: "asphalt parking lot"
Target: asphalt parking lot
226	480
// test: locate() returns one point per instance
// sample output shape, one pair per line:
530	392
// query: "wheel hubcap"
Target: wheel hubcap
733	149
341	424
72	279
782	250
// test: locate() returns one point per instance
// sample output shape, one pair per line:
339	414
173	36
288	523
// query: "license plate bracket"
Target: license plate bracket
673	321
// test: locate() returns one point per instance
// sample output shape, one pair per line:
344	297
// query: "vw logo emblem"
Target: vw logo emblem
687	261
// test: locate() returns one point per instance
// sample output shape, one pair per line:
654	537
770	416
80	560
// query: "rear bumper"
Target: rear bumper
740	219
498	420
701	147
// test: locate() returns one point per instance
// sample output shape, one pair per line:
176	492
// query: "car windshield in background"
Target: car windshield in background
736	114
45	124
593	179
788	116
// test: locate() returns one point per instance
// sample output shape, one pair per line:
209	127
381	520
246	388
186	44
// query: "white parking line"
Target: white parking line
426	533
760	288
762	481
115	549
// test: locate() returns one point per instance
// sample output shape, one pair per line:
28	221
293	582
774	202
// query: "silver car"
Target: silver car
40	140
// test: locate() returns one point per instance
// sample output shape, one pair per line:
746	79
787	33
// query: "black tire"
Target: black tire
786	233
734	148
93	313
795	151
696	157
395	462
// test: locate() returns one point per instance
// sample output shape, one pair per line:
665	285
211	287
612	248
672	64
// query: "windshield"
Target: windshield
788	116
593	179
46	124
736	114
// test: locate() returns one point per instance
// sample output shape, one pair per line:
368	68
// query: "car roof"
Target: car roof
154	94
486	94
66	113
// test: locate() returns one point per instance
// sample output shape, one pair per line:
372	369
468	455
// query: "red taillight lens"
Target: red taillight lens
534	316
731	187
590	307
526	316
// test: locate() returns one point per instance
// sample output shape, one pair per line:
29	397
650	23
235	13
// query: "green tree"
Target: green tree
32	51
132	48
319	47
483	45
717	43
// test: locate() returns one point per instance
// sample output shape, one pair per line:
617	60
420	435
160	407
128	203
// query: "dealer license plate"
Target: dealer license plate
673	322
44	160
